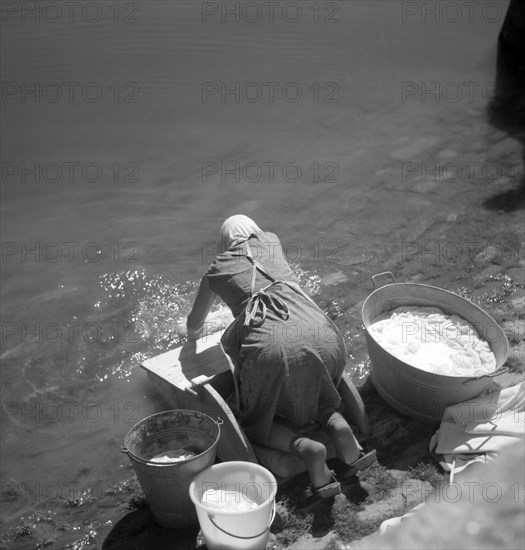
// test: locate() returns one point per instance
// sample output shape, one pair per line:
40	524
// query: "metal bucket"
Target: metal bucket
166	485
412	391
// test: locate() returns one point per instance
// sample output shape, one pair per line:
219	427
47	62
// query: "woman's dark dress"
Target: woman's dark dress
285	368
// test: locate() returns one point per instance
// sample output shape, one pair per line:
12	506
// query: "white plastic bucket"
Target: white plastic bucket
226	529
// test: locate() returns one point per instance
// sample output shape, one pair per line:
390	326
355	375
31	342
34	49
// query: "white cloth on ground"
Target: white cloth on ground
476	430
392	522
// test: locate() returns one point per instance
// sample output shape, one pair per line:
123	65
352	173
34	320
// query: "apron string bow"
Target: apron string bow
257	307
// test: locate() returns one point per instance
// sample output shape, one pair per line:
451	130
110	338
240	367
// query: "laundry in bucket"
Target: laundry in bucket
175	455
228	501
429	339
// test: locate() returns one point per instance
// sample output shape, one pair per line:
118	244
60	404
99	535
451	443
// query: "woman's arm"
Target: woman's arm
201	307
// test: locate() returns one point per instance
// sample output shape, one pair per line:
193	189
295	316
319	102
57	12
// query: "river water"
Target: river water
130	130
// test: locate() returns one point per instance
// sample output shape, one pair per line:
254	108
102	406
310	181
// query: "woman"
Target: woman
286	355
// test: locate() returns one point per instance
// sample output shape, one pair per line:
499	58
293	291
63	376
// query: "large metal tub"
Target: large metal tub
412	391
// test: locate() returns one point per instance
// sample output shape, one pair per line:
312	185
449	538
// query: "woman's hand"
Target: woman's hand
201	307
194	334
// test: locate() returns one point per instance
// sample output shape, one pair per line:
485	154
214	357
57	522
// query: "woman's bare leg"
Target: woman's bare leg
312	453
346	445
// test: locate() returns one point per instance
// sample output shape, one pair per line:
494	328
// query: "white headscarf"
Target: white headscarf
235	230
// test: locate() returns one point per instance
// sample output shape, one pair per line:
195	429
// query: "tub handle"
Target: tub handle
124	450
387	277
272	517
491	375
